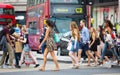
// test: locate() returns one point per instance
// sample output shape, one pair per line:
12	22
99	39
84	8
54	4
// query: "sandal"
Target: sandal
42	69
56	69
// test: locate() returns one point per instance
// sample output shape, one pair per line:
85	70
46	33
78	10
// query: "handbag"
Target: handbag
69	46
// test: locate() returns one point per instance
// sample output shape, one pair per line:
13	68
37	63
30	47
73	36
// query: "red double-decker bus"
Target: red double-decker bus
60	11
6	12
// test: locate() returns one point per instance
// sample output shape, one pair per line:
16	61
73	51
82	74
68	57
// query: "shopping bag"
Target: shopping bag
69	46
18	47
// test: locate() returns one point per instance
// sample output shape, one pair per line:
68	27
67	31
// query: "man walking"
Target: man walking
84	45
6	33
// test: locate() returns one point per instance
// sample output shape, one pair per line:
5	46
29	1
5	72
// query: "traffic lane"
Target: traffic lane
83	71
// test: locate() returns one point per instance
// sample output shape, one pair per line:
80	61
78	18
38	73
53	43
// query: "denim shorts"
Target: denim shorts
77	47
26	48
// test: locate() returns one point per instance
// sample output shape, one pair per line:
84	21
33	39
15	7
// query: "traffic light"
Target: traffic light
90	2
87	2
83	2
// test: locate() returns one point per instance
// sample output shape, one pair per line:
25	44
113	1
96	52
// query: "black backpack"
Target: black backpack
1	34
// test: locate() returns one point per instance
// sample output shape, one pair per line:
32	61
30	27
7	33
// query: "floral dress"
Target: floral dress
51	45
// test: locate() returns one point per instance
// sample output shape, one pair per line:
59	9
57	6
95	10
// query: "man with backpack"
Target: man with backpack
9	45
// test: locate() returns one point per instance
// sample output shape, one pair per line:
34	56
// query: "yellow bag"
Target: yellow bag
18	47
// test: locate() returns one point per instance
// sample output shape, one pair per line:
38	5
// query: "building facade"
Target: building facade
105	10
20	9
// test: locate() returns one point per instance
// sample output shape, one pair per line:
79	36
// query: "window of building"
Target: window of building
64	1
102	1
35	2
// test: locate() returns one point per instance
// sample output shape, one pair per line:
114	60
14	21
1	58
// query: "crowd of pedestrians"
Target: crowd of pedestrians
95	44
15	42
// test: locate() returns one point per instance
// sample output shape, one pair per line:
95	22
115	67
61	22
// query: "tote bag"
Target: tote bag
18	47
70	46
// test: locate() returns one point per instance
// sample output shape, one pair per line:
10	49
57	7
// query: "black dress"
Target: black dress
94	45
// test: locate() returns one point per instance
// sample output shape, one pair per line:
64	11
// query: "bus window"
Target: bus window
1	10
32	28
2	20
8	11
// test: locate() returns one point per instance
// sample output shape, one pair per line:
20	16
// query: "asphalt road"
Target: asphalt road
65	69
83	71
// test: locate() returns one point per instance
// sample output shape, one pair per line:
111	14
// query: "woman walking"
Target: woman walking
109	41
26	48
50	45
93	44
75	44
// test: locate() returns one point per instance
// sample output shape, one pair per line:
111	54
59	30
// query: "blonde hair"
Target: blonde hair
94	31
24	28
74	29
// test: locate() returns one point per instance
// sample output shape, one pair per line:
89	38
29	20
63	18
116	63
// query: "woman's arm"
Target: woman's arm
46	36
75	42
76	38
24	40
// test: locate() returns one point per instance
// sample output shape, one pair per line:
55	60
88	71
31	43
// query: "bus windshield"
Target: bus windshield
62	24
6	11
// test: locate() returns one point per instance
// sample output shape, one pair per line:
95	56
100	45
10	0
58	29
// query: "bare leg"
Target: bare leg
45	60
55	60
73	62
22	57
79	55
33	57
76	58
88	61
91	56
72	57
97	54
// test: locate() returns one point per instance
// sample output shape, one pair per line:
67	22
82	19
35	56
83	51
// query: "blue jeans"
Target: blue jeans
17	58
43	47
111	49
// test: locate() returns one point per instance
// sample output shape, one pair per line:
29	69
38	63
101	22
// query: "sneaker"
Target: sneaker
6	64
16	66
36	65
114	63
107	64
